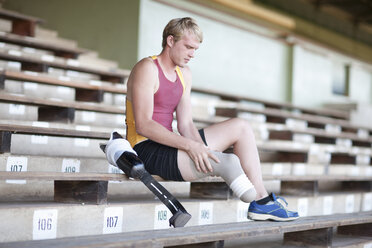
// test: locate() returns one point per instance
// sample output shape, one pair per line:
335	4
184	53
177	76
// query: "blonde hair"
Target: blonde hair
177	27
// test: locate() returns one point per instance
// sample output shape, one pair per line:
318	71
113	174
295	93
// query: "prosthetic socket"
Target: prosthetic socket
231	171
119	153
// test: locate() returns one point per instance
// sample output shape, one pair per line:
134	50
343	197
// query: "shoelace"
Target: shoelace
281	198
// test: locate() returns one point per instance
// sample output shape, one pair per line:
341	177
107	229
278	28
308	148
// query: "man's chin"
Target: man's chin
181	65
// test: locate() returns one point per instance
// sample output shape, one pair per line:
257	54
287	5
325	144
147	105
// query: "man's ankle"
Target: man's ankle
265	200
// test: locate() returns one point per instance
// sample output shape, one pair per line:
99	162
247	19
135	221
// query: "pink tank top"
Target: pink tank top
166	99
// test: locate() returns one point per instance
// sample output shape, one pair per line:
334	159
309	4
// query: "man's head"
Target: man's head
181	38
177	27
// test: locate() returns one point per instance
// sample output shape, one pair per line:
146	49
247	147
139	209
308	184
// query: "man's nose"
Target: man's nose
191	54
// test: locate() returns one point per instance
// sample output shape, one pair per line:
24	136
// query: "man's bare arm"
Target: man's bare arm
185	124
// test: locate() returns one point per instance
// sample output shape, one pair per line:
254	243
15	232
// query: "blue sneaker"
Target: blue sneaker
271	211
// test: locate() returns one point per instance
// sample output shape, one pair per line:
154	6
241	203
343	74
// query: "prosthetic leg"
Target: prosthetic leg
120	154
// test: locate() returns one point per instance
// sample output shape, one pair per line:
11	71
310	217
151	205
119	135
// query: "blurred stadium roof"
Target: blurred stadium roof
352	18
357	11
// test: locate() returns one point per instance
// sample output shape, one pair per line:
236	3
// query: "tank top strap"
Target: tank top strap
179	73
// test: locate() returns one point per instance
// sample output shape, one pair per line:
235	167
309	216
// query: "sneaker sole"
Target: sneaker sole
254	216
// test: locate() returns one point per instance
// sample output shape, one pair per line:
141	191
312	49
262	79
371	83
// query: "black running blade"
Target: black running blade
116	135
103	147
179	219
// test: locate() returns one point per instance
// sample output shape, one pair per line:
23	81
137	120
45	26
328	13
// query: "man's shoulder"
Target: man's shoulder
145	64
186	72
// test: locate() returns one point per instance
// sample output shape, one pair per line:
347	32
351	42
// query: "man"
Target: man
160	85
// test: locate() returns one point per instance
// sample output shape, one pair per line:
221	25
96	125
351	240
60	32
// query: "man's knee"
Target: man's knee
231	158
232	172
229	162
243	125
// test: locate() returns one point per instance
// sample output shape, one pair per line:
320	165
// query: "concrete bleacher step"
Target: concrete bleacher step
36	55
288	151
5	47
258	113
47	55
107	128
272	151
312	153
315	141
51	36
72	220
92	187
5	26
21	24
23	139
45	33
45	78
273	105
43	190
19	50
40	91
307	179
41	44
36	191
22	107
308	169
89	59
86	164
71	65
276	241
12	65
54	163
17	112
31	53
55	146
347	241
18	190
278	152
362	154
315	133
320	137
41	85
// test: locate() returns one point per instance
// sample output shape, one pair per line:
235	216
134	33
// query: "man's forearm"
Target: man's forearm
191	132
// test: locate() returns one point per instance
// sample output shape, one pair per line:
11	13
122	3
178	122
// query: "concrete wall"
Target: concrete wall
108	27
361	85
312	78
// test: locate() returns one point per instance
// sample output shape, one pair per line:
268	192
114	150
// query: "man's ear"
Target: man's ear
170	40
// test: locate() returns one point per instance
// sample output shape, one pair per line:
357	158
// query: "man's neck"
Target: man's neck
166	63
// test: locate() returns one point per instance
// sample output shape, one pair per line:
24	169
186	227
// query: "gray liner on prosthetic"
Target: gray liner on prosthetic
231	171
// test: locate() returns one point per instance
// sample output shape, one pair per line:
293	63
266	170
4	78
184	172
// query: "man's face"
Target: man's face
183	50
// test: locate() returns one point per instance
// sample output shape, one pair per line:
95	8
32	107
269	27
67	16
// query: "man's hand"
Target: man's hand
200	154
